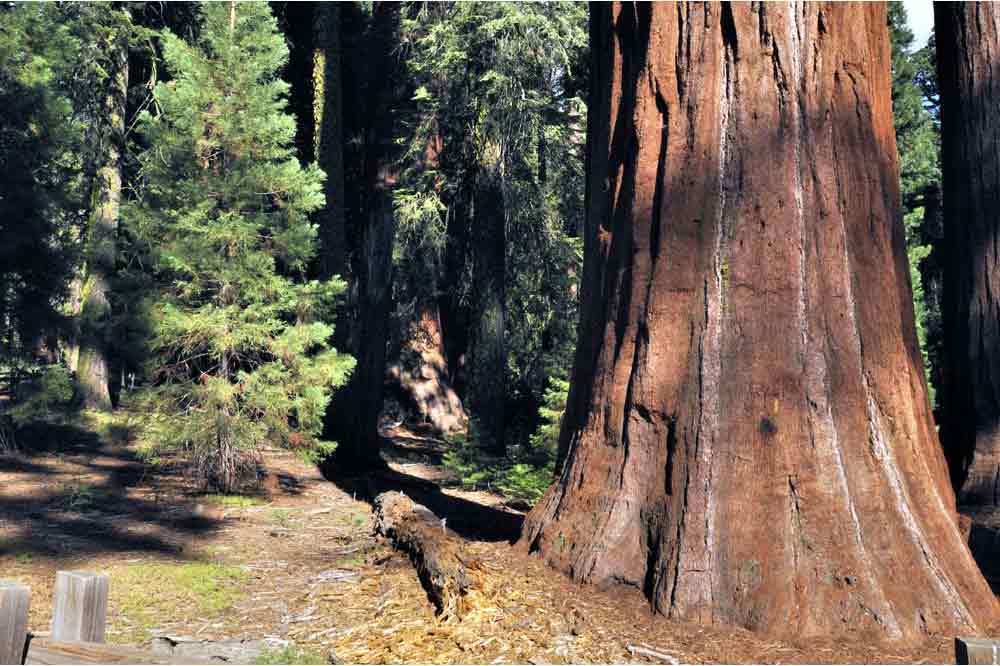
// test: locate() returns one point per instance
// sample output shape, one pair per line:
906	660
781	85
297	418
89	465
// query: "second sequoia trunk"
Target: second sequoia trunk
748	436
969	79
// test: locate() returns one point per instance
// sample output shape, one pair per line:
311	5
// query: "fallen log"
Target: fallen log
446	572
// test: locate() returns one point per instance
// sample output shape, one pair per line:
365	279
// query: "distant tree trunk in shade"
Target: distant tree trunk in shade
93	363
328	100
487	389
419	367
377	89
748	437
456	316
968	57
420	371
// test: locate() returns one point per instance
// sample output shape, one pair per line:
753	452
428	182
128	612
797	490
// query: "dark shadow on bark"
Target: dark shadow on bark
969	395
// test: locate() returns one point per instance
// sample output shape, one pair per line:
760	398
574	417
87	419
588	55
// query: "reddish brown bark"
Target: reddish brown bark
968	41
748	434
420	369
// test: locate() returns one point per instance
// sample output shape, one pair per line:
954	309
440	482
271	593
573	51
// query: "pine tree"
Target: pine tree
917	146
241	353
106	69
499	107
40	184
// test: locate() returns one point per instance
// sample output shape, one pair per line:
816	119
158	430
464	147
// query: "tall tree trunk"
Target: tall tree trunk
419	367
92	366
328	96
487	391
456	316
748	432
968	54
377	88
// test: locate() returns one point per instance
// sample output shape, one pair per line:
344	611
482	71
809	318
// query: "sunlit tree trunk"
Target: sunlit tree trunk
748	437
328	101
92	364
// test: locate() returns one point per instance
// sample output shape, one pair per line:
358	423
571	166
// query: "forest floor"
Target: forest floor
300	563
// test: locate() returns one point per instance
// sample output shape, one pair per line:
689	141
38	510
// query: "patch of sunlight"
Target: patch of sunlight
149	594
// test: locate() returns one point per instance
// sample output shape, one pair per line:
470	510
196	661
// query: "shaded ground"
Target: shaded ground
300	564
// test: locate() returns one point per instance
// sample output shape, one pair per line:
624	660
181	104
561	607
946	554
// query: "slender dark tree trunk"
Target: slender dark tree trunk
748	433
93	363
487	391
377	89
968	55
455	314
328	101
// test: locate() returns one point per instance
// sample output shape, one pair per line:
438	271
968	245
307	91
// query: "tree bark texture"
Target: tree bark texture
376	85
487	390
968	41
92	365
420	369
748	437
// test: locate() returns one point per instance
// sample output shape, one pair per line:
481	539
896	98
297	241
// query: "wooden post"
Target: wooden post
13	621
79	606
977	650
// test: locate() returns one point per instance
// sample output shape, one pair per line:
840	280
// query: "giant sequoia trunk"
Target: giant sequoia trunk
969	81
93	365
748	433
373	82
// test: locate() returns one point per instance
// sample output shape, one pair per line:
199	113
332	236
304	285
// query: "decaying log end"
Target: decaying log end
445	570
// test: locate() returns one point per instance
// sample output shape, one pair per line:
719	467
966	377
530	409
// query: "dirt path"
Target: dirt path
300	564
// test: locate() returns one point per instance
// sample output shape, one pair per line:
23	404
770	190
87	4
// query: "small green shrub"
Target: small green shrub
468	463
313	455
281	517
234	501
546	438
526	483
526	475
49	389
78	496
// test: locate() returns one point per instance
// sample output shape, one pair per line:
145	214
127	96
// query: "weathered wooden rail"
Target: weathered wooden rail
79	618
